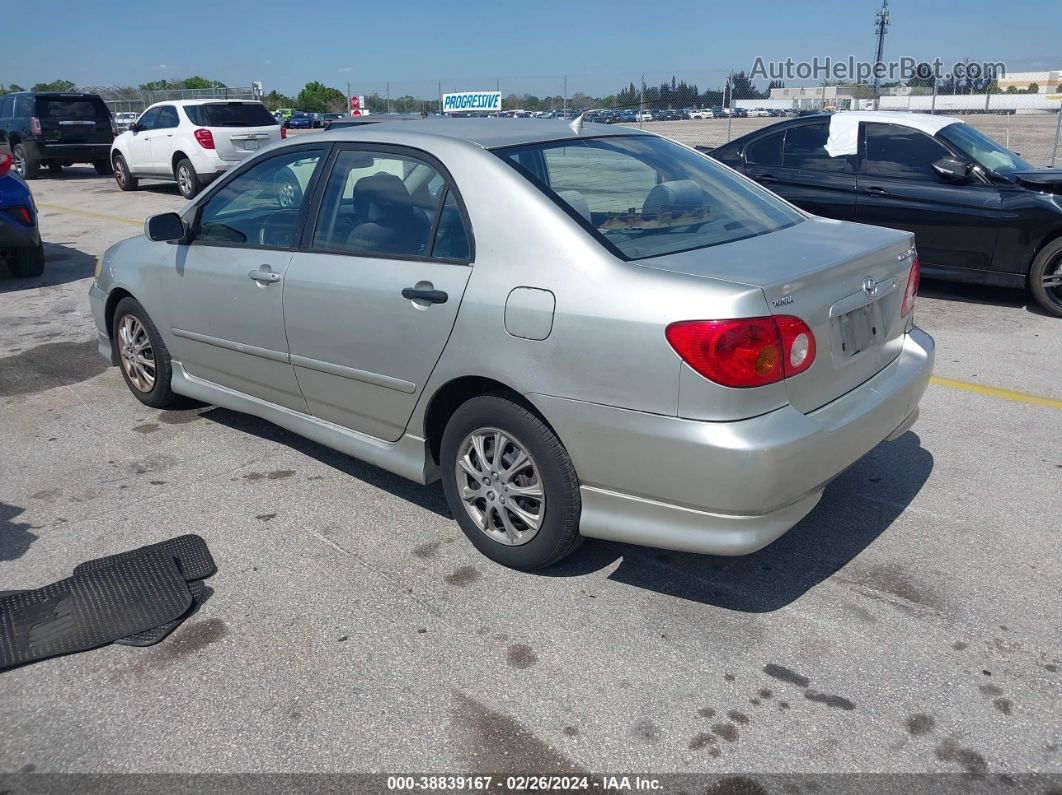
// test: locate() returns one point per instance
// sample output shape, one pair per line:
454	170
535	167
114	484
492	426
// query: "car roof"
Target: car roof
925	122
207	100
488	133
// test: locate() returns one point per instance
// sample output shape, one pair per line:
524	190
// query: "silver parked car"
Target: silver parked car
598	333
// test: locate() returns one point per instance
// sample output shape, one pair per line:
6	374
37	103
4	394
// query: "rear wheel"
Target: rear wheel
1045	278
103	167
187	180
28	263
510	483
143	357
25	166
125	180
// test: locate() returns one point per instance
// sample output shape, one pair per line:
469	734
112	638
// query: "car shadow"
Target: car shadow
62	265
15	537
944	290
88	174
429	497
856	508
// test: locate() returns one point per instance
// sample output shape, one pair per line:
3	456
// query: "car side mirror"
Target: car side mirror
164	227
953	169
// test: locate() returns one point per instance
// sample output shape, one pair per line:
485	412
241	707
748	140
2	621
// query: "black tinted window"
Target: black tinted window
230	114
262	207
147	121
72	109
805	147
895	151
379	203
765	151
451	238
167	117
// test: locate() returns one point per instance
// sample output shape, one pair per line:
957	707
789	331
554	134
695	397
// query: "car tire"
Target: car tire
149	383
103	167
1048	266
55	169
25	166
494	528
27	263
122	175
187	180
288	190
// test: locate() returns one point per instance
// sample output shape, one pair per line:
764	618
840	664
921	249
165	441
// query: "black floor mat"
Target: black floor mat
149	637
190	551
96	606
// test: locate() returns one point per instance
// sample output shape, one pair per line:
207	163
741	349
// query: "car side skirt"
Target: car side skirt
994	278
409	457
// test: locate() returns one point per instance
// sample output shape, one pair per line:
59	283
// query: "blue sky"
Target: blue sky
525	46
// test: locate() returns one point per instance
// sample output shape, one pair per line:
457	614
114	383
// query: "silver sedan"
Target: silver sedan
583	331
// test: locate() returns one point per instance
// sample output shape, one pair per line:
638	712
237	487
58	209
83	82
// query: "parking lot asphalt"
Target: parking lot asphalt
910	623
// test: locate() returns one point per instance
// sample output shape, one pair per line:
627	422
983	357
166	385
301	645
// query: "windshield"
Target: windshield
230	114
986	152
645	196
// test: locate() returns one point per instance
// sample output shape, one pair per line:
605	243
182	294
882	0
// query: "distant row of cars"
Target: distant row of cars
305	120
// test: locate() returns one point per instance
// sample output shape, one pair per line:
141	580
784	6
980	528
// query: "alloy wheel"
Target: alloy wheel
500	486
184	180
1052	280
20	161
138	359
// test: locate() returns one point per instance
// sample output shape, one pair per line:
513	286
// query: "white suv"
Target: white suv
191	142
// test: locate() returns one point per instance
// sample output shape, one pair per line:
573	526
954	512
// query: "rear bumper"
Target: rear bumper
728	488
73	153
16	236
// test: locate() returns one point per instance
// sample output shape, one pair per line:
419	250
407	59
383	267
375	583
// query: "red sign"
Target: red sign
355	103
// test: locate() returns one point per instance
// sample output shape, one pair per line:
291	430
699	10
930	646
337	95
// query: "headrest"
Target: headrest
382	197
675	197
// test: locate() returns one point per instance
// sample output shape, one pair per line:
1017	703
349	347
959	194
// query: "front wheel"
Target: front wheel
1045	278
187	180
510	483
125	180
144	360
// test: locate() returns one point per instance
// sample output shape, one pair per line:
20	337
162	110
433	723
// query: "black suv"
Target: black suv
56	130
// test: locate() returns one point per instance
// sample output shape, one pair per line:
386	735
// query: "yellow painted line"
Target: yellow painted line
991	391
90	214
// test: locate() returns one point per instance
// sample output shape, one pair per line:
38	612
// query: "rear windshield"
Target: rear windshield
230	114
645	196
72	109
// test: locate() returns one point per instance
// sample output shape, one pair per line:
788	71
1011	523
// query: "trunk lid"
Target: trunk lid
816	271
73	119
240	129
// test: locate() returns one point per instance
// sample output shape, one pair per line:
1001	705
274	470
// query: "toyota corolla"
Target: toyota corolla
583	331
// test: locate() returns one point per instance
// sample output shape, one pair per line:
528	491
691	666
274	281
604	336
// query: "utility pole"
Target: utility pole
440	96
566	96
641	100
388	96
881	27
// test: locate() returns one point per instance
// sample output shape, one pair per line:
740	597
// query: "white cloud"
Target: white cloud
347	69
162	67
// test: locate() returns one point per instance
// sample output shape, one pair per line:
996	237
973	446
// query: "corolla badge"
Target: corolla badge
785	299
870	287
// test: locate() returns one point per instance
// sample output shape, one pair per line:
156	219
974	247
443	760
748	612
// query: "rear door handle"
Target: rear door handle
431	296
876	190
264	275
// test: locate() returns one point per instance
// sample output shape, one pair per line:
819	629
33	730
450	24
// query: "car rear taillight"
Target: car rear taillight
283	133
747	352
911	292
5	163
35	126
20	214
114	128
205	138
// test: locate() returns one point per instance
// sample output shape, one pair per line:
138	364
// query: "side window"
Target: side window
7	107
261	208
378	203
451	237
765	151
805	147
167	118
895	151
147	121
24	106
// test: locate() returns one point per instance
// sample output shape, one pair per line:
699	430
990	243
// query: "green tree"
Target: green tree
1033	88
55	85
195	81
317	97
274	100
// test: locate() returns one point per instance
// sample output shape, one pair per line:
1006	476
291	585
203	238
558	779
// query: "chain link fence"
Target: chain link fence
128	100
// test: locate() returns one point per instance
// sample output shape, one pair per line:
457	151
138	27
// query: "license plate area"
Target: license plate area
859	330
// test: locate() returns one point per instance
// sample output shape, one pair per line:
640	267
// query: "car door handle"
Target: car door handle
265	276
766	178
431	296
876	190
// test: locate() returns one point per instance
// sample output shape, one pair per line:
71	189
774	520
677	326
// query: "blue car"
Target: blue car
20	237
300	121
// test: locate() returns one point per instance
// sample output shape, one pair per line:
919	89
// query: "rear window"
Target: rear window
72	108
648	196
230	114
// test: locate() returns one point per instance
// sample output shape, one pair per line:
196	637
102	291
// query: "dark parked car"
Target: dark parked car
56	130
20	238
979	212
